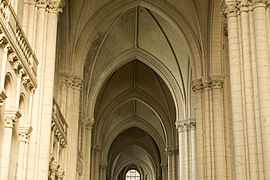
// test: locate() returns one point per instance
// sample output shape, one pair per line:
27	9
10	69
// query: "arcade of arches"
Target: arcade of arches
134	89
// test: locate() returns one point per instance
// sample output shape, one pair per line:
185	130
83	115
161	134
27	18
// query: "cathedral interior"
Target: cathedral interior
134	89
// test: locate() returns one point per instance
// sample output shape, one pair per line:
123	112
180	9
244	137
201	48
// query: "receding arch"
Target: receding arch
147	59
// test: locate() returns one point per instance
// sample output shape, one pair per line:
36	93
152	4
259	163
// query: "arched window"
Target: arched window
133	175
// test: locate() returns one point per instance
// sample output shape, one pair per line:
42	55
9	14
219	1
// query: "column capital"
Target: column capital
261	3
87	123
207	83
11	117
24	134
3	97
55	6
231	8
72	81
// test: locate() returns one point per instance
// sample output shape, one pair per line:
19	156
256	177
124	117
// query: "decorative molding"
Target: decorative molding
24	134
207	83
11	118
3	97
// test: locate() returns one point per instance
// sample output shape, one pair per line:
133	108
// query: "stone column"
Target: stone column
86	148
263	70
180	128
37	98
24	135
212	157
170	164
72	118
249	106
11	117
193	149
95	169
53	8
236	89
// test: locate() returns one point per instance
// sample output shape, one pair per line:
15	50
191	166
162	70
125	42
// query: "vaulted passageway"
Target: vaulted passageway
135	122
138	73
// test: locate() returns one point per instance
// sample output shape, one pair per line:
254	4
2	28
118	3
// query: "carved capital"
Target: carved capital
216	82
71	80
180	126
197	86
11	117
24	134
207	83
55	6
231	8
3	96
60	173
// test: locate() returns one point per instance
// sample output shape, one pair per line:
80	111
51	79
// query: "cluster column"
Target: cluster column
211	137
248	36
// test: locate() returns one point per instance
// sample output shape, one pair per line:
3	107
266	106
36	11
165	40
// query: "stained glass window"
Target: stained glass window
133	175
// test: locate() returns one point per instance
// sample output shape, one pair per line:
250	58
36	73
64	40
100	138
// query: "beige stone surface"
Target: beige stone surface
175	89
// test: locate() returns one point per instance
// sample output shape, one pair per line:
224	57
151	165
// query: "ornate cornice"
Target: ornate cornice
3	96
207	83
